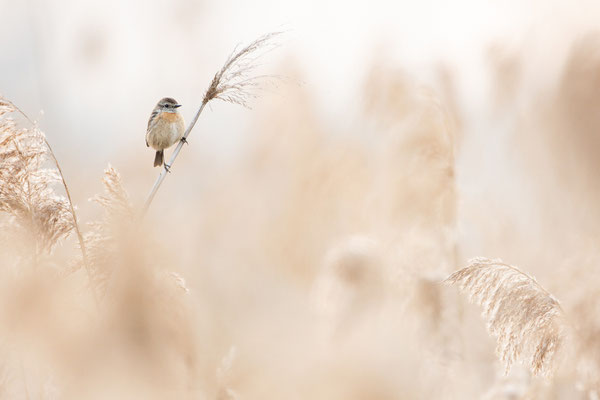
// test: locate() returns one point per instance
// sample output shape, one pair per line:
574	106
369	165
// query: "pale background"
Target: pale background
91	71
260	197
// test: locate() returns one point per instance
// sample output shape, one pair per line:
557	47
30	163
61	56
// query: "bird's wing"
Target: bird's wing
152	119
151	123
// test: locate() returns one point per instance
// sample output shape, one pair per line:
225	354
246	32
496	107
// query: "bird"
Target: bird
165	128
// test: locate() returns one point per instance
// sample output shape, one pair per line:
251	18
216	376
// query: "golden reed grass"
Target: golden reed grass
26	187
523	317
312	269
234	83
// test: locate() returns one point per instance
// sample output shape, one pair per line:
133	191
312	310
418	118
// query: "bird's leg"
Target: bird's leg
184	140
167	168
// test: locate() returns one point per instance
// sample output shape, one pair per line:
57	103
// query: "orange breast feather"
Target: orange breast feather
169	117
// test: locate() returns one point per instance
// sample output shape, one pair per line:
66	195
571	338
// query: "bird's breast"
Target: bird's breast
169	117
167	130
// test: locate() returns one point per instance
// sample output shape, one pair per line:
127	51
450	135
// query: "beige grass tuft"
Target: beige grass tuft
102	239
525	319
27	188
115	200
233	83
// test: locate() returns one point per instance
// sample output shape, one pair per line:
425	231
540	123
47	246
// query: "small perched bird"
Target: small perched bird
165	128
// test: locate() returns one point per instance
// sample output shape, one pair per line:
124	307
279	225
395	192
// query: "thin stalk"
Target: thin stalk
233	83
75	225
163	173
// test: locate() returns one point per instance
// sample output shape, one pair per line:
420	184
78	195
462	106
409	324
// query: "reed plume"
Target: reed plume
524	318
233	83
115	199
27	192
102	239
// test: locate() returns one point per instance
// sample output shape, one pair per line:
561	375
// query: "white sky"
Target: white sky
98	67
79	60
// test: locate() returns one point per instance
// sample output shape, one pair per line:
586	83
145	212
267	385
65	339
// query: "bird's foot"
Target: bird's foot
184	140
167	168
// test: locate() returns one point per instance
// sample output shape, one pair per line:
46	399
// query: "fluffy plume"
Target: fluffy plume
115	199
101	240
523	317
233	83
26	188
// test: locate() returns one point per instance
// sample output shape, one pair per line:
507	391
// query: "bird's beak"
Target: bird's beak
177	106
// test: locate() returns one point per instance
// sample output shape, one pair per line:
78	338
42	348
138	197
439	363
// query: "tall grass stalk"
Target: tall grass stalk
233	84
68	193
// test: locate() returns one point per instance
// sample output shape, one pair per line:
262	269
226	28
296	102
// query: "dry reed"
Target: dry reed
233	83
41	146
27	188
266	230
522	316
102	239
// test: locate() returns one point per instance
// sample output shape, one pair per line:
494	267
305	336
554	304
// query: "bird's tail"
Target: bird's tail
158	160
